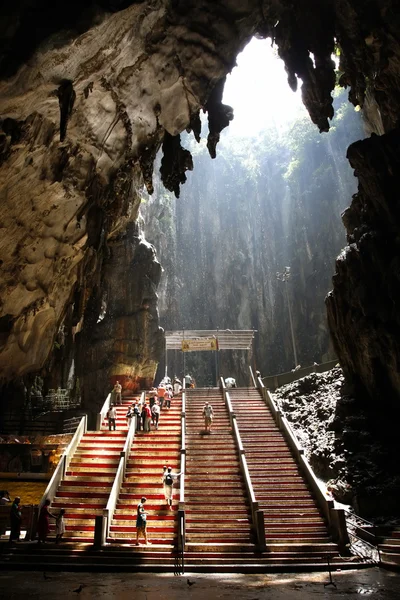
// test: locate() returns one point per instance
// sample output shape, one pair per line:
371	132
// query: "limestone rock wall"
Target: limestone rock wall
363	309
88	95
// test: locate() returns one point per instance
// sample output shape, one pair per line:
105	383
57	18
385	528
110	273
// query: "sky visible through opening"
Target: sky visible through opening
259	93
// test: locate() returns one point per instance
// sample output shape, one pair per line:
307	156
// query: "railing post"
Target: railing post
260	529
100	529
338	527
181	529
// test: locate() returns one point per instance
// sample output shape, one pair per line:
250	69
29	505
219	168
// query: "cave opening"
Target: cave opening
270	202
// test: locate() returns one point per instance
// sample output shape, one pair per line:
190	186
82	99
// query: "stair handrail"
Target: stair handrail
103	412
63	463
335	517
374	539
130	436
257	515
237	436
181	508
252	376
108	511
227	399
183	410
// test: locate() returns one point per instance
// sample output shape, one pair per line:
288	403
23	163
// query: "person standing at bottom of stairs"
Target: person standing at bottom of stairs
168	482
208	415
141	522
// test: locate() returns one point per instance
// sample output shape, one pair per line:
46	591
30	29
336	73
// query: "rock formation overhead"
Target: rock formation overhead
87	97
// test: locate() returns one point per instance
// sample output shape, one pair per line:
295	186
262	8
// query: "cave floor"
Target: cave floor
374	583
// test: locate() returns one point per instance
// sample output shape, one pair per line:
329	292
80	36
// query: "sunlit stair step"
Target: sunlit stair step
87	480
78	502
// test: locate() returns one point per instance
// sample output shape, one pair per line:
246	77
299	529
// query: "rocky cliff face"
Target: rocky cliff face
88	95
267	201
363	307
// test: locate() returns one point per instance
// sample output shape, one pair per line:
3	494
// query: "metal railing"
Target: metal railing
109	510
63	463
364	537
334	517
180	565
257	514
103	412
252	376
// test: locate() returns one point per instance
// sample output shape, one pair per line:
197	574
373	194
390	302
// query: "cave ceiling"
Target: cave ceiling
89	92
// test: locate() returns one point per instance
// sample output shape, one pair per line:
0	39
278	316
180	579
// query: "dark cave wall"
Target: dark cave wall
363	308
85	110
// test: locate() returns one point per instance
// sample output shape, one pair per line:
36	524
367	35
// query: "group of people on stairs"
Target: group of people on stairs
43	523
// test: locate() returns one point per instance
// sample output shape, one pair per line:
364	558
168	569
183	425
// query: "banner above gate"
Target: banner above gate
225	339
199	345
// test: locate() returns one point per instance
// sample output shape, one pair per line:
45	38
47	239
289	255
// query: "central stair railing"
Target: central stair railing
181	510
103	412
103	523
257	514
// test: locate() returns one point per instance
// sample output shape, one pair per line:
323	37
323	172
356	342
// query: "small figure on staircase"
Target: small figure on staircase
188	381
168	482
137	413
161	394
208	415
167	397
141	522
60	526
15	520
43	524
130	414
230	382
111	416
117	393
177	387
155	411
146	417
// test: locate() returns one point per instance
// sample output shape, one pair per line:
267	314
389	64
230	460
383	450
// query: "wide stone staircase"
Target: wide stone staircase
218	523
150	452
219	532
85	489
294	528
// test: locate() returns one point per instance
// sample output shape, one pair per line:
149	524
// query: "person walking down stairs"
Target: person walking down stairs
208	415
146	417
111	416
168	482
155	411
117	393
141	522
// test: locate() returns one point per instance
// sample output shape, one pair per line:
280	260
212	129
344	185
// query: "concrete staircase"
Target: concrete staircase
150	452
390	549
218	523
219	534
294	528
85	489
